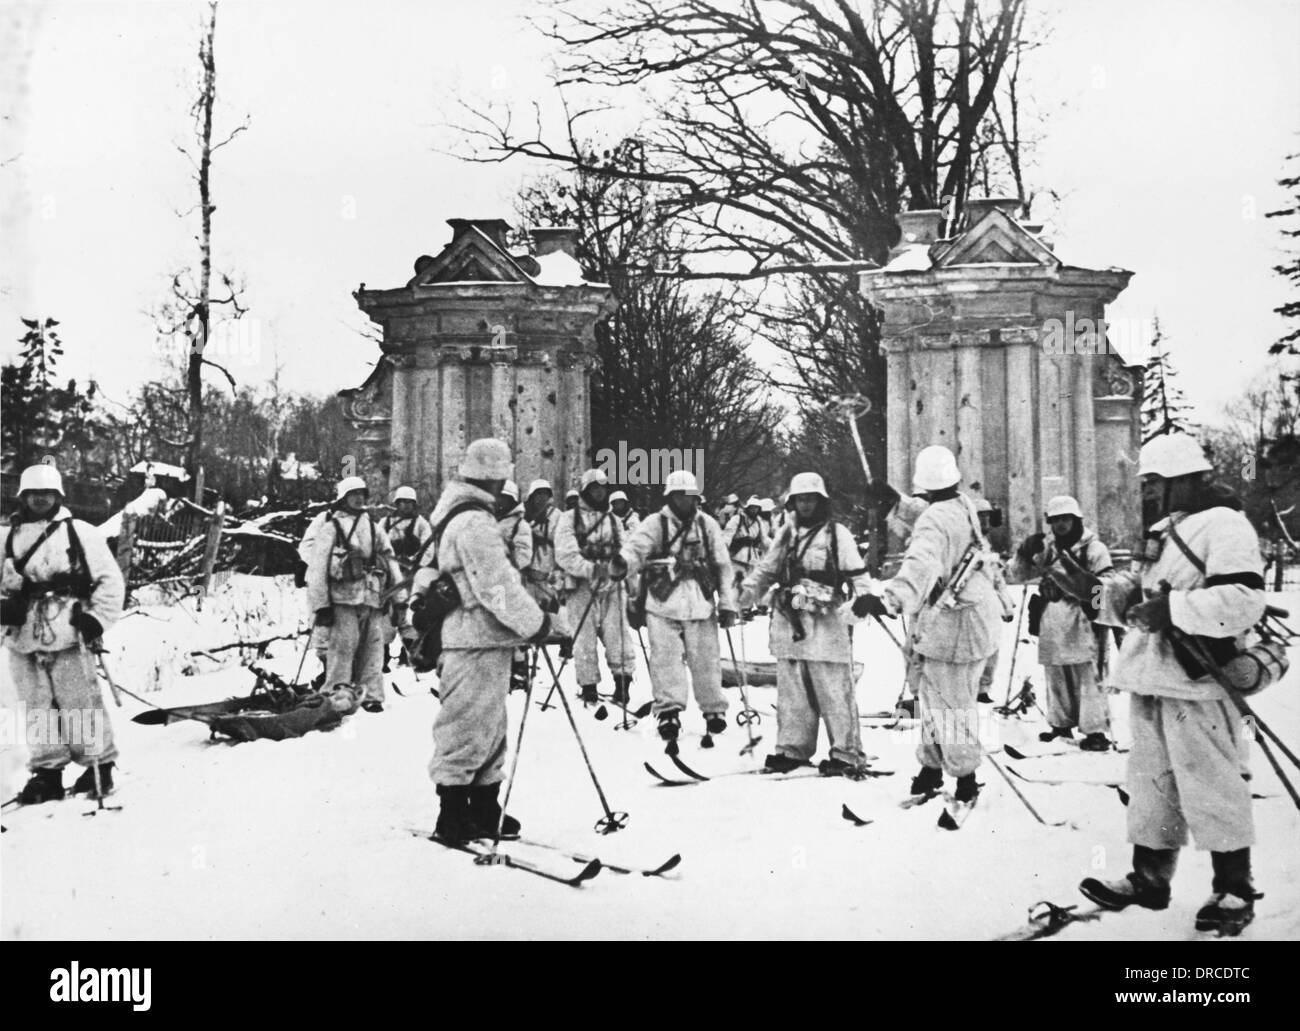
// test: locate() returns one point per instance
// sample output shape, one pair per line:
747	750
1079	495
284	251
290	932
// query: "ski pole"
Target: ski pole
99	657
749	715
564	662
611	821
628	722
1020	795
883	626
510	782
99	796
1015	646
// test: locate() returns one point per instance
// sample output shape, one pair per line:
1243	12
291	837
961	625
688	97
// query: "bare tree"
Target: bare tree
795	131
673	370
189	306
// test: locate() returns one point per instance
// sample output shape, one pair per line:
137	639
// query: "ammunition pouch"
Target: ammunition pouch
812	595
659	581
350	567
601	552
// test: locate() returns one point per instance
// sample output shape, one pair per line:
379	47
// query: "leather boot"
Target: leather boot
454	823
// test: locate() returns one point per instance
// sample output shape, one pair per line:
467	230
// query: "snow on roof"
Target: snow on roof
558	269
913	258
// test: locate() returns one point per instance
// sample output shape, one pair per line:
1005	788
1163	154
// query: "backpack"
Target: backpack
440	601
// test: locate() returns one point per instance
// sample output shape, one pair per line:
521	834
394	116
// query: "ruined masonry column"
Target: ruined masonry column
970	411
1022	501
899	442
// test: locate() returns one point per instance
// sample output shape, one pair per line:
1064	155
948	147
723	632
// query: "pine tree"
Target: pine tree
40	417
1290	342
1165	409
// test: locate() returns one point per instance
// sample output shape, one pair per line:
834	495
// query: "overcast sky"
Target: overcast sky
1168	129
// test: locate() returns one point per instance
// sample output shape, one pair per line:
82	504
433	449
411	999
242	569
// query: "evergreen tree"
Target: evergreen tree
1165	409
40	417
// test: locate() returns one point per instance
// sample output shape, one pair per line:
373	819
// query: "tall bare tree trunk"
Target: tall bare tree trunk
203	303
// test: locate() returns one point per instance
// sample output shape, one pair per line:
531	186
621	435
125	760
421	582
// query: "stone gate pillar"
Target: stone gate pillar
482	342
997	349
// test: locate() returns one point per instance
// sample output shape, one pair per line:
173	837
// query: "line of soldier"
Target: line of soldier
1185	773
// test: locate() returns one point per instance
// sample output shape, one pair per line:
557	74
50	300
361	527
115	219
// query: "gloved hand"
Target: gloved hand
1151	615
870	605
87	625
325	617
726	619
1031	546
1007	617
617	568
543	632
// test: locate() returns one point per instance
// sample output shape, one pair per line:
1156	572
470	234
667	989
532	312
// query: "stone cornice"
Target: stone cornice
1103	284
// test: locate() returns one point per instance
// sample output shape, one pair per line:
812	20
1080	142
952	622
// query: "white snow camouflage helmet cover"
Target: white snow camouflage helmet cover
537	485
681	481
618	495
1171	455
40	477
404	494
592	476
1063	505
347	485
936	469
801	483
510	490
487	459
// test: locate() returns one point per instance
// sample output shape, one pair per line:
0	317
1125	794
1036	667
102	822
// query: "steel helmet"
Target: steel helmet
731	499
41	477
801	483
572	493
592	476
487	459
681	481
984	505
537	485
1063	505
936	468
618	495
347	485
754	501
510	490
404	494
1170	455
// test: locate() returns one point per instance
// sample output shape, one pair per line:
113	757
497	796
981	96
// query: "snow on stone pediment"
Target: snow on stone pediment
995	239
472	257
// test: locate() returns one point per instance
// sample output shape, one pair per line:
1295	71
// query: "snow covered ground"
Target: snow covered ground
312	838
